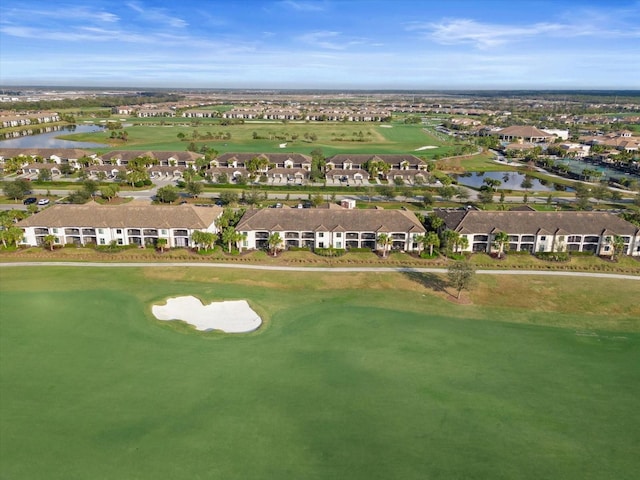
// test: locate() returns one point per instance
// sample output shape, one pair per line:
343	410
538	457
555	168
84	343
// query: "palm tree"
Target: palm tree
274	242
432	240
231	237
49	241
420	240
618	246
11	235
384	240
162	243
500	239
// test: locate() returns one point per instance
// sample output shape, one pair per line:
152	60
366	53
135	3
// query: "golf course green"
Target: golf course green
351	376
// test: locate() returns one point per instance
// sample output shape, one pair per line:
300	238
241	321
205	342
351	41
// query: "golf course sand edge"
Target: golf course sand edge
234	316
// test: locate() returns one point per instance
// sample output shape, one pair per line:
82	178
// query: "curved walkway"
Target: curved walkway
560	273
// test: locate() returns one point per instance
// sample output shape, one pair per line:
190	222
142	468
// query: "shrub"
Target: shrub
330	252
553	256
361	250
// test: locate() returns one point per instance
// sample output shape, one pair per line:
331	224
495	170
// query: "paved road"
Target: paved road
316	269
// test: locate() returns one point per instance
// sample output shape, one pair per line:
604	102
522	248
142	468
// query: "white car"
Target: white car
43	201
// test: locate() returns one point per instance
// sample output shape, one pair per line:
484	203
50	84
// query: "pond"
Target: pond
509	181
49	140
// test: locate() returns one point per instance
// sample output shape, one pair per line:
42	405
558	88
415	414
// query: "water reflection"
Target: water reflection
508	181
47	137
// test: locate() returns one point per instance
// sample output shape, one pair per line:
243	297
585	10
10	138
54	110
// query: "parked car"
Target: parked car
43	201
30	200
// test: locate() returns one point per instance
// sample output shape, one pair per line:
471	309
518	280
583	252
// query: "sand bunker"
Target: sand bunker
386	126
426	147
283	145
230	317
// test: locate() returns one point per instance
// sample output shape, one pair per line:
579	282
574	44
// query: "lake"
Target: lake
49	140
510	181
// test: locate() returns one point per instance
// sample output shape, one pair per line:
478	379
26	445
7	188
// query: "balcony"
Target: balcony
181	233
42	231
368	236
89	231
150	232
352	236
72	231
133	232
262	236
291	235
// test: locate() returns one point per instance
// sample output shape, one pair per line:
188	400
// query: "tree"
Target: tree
109	191
462	194
161	243
500	240
431	240
203	239
17	189
435	222
274	242
228	198
49	241
485	196
90	187
461	276
167	194
44	175
384	240
194	188
11	235
230	237
446	192
617	245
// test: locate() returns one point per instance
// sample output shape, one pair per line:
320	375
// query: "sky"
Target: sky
322	44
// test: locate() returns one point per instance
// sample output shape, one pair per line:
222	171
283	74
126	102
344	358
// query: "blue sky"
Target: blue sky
341	44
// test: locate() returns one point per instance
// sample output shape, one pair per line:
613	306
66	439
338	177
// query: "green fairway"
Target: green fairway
343	381
331	137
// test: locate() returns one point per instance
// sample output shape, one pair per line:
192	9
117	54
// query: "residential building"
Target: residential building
534	231
124	224
330	227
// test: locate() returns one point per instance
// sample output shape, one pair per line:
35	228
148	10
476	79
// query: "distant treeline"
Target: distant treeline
104	102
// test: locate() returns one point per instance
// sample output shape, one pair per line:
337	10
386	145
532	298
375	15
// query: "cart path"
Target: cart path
556	273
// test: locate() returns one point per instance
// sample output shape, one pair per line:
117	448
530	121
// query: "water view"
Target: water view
49	140
510	181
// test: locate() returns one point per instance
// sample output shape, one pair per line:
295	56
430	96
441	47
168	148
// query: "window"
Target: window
120	242
339	235
163	232
100	231
55	230
119	231
338	244
543	238
102	241
321	234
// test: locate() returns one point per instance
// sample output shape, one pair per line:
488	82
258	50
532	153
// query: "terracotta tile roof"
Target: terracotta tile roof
311	219
124	216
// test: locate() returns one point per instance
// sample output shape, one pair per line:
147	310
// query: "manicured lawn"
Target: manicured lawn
331	137
344	381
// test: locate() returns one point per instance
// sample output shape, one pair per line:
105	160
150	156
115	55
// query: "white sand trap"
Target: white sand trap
386	126
283	145
230	317
426	147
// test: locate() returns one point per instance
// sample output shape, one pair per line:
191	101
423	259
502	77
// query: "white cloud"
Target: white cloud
594	25
323	39
303	6
157	15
